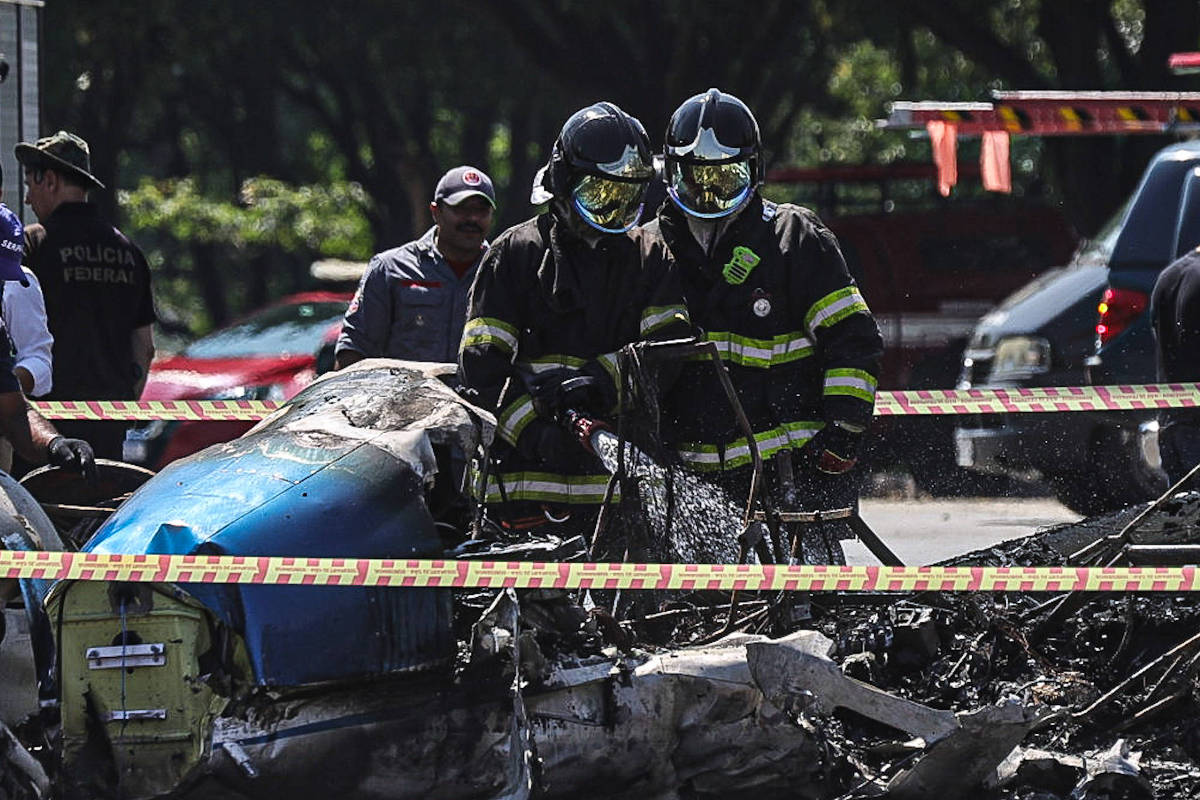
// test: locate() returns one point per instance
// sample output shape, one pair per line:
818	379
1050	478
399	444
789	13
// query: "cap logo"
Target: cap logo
471	178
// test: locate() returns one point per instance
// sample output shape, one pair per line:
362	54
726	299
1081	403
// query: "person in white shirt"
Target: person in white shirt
23	314
24	430
23	310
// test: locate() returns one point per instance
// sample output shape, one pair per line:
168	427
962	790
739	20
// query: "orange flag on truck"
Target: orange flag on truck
943	136
993	162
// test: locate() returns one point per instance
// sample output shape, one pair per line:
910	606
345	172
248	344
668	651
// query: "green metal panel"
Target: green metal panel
147	695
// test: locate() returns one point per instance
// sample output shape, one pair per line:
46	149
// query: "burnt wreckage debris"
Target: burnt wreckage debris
1102	703
587	695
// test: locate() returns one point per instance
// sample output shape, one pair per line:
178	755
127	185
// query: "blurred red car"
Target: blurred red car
269	355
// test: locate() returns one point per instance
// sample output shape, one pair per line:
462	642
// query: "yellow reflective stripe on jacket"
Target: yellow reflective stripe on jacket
551	361
834	307
548	487
558	361
609	362
704	457
513	419
489	330
851	383
657	317
748	352
555	361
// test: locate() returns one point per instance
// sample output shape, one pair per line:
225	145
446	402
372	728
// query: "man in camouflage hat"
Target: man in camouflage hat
96	283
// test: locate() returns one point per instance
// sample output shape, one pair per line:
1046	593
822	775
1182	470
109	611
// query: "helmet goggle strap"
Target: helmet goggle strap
706	147
707	190
631	165
610	205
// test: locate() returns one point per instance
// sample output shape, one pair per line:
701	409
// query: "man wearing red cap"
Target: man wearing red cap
412	300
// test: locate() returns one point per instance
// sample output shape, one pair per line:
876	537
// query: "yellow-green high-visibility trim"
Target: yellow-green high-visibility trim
658	317
834	307
513	419
548	487
705	457
609	362
559	361
851	383
763	353
489	330
551	361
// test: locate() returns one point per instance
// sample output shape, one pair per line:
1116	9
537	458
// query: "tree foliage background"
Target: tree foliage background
243	140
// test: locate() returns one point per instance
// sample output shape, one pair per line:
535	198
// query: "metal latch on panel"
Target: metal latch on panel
125	715
125	656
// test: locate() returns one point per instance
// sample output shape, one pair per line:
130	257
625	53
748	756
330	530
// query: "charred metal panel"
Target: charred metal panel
132	683
25	526
340	472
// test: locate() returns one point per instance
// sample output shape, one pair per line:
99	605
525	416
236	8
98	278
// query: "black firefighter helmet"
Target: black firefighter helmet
713	155
599	168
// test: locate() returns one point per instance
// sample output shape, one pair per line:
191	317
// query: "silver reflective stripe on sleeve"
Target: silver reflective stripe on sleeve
548	487
514	418
851	383
707	457
489	330
550	362
748	352
834	307
657	317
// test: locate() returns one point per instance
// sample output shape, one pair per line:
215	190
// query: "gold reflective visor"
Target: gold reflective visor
709	190
610	205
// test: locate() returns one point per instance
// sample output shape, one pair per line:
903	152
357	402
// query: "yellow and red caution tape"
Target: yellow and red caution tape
1045	399
54	565
905	402
148	410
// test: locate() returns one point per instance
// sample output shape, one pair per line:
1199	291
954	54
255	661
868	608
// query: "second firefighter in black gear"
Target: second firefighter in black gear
767	283
556	297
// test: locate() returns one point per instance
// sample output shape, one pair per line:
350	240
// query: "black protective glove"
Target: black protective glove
72	454
589	390
545	390
549	443
584	393
601	396
833	450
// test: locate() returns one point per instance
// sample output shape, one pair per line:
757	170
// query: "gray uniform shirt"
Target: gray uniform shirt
409	305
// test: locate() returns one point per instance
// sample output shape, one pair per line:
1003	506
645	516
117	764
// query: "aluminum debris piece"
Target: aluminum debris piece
796	674
1115	772
963	761
1034	767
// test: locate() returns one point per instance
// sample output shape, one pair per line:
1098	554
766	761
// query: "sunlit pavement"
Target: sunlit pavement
928	530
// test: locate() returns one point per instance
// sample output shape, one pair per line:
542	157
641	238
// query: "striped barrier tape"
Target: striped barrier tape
149	410
1046	399
48	565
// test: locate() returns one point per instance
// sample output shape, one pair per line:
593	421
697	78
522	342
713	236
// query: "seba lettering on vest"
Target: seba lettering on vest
96	254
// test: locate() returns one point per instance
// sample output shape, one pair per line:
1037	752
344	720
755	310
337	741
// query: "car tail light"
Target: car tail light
1118	308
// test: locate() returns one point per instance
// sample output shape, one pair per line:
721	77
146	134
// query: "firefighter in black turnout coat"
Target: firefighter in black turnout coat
555	298
1175	317
769	285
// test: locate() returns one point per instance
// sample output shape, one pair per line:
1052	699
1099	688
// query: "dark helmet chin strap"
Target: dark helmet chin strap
558	175
577	227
